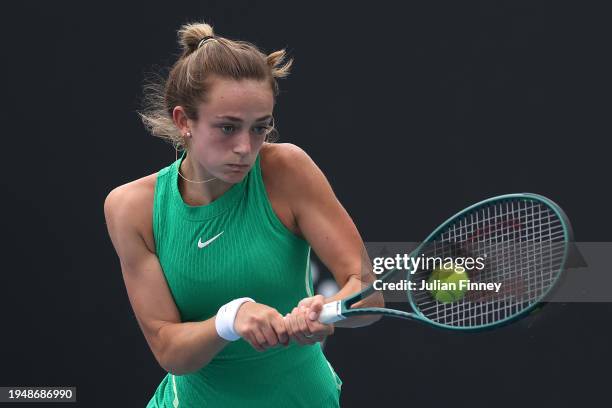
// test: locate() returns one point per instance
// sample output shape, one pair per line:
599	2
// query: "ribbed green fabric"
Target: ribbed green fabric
255	256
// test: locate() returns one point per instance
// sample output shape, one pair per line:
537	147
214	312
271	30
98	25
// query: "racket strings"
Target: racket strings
522	243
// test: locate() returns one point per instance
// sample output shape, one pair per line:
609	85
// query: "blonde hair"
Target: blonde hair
188	82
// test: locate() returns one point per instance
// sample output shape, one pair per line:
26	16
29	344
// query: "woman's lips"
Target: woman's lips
238	167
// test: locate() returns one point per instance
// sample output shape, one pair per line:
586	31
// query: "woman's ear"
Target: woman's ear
181	120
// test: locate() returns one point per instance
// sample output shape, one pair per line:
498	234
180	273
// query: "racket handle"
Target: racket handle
331	312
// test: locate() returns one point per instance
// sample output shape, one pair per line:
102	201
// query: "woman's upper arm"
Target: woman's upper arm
320	217
147	289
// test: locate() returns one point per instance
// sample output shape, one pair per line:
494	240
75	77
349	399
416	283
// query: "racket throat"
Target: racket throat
332	312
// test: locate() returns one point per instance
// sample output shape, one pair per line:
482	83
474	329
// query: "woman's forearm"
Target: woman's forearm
189	346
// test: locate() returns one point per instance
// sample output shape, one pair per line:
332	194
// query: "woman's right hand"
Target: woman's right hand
262	326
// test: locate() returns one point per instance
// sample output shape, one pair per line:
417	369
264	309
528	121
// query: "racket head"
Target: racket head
528	236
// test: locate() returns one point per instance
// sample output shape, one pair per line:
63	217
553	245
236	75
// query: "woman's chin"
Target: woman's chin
233	177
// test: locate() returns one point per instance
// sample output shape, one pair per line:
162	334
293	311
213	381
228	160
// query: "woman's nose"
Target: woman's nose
243	144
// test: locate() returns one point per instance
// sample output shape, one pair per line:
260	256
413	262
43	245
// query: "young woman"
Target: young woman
215	247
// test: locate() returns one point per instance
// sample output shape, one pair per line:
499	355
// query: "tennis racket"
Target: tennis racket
524	240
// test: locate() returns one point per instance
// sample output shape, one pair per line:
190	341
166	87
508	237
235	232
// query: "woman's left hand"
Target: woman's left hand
303	324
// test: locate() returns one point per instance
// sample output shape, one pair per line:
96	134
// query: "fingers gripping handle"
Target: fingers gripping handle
331	312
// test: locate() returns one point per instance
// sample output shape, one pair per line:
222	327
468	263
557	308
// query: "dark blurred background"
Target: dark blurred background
413	111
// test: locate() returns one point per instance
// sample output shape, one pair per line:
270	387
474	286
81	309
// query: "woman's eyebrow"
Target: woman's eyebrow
235	119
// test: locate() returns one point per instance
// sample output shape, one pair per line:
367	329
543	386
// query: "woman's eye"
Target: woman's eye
227	129
261	130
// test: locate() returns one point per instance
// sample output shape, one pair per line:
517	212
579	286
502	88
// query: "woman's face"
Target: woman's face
231	127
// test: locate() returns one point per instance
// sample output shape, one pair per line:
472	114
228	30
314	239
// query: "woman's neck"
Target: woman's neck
199	193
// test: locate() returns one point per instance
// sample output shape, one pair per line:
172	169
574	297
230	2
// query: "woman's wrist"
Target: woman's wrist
224	320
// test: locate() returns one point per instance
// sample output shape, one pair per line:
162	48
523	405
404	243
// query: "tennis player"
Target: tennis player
214	248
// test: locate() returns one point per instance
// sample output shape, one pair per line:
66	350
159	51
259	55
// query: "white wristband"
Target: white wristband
224	321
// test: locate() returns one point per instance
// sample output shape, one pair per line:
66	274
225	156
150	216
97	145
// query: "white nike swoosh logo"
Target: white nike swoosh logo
205	243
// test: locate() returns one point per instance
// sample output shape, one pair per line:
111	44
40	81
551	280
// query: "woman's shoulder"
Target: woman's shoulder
283	164
280	158
277	161
290	177
131	204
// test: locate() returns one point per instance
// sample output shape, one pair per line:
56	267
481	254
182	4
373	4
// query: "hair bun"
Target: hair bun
191	34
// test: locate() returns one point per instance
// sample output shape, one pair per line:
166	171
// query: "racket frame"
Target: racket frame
341	309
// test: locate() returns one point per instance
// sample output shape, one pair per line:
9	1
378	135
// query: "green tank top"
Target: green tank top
233	247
